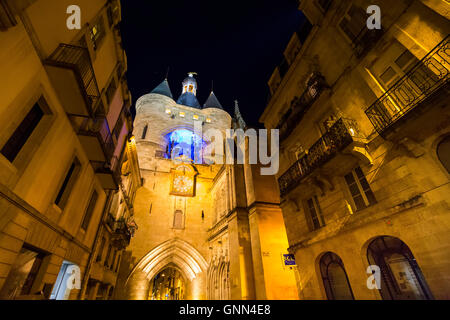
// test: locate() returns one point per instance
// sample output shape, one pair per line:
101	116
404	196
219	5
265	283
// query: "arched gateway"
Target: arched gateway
175	254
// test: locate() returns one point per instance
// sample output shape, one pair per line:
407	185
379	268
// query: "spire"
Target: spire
212	102
189	92
238	117
163	89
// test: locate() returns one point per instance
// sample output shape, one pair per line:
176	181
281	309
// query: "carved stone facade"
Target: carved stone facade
195	217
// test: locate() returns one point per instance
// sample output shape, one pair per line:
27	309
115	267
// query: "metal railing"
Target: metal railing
338	136
300	105
420	82
78	59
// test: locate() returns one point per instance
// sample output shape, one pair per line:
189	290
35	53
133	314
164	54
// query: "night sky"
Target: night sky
236	44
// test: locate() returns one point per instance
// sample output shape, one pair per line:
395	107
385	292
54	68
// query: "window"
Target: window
443	152
315	213
118	263
359	188
398	68
195	117
23	132
144	132
182	114
353	24
61	290
108	254
110	14
208	120
110	91
335	280
97	32
89	211
100	250
68	184
23	273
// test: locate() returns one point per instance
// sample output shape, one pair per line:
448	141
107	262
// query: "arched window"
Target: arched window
335	278
401	277
443	153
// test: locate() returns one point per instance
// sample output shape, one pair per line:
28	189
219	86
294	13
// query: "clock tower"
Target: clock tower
194	238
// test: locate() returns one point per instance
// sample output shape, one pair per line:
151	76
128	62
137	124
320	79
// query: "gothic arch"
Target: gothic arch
172	252
219	279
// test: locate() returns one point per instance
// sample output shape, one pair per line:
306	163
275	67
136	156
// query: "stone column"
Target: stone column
241	267
138	286
269	242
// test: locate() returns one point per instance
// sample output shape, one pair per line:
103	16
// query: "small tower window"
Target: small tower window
182	114
191	88
168	111
195	117
144	132
208	120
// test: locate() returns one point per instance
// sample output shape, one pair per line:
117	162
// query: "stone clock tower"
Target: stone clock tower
194	235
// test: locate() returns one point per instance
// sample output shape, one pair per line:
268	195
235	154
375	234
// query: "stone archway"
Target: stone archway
172	252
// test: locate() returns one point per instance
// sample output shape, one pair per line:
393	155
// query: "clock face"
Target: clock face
182	184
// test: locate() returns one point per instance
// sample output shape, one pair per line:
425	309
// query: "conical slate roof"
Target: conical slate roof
189	99
164	89
212	102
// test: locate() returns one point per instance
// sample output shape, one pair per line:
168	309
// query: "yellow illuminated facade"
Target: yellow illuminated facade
364	143
64	123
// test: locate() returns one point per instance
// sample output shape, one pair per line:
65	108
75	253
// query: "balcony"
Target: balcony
121	232
300	105
108	173
342	134
71	73
96	139
423	81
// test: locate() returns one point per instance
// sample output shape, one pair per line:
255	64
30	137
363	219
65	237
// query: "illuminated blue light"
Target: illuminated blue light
183	142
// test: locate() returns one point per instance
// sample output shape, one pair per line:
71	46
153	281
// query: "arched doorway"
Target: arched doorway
334	277
168	284
443	152
173	254
401	277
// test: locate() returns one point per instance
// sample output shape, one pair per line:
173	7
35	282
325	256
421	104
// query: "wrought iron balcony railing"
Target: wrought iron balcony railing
423	80
300	105
78	59
338	136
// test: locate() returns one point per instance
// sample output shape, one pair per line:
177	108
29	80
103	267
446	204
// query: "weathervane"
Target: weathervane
192	74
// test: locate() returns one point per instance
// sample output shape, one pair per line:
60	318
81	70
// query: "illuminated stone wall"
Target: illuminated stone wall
408	180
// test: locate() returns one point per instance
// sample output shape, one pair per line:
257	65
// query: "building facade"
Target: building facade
206	230
65	120
364	167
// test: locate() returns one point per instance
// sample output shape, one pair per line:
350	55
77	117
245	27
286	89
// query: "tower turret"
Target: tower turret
189	92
